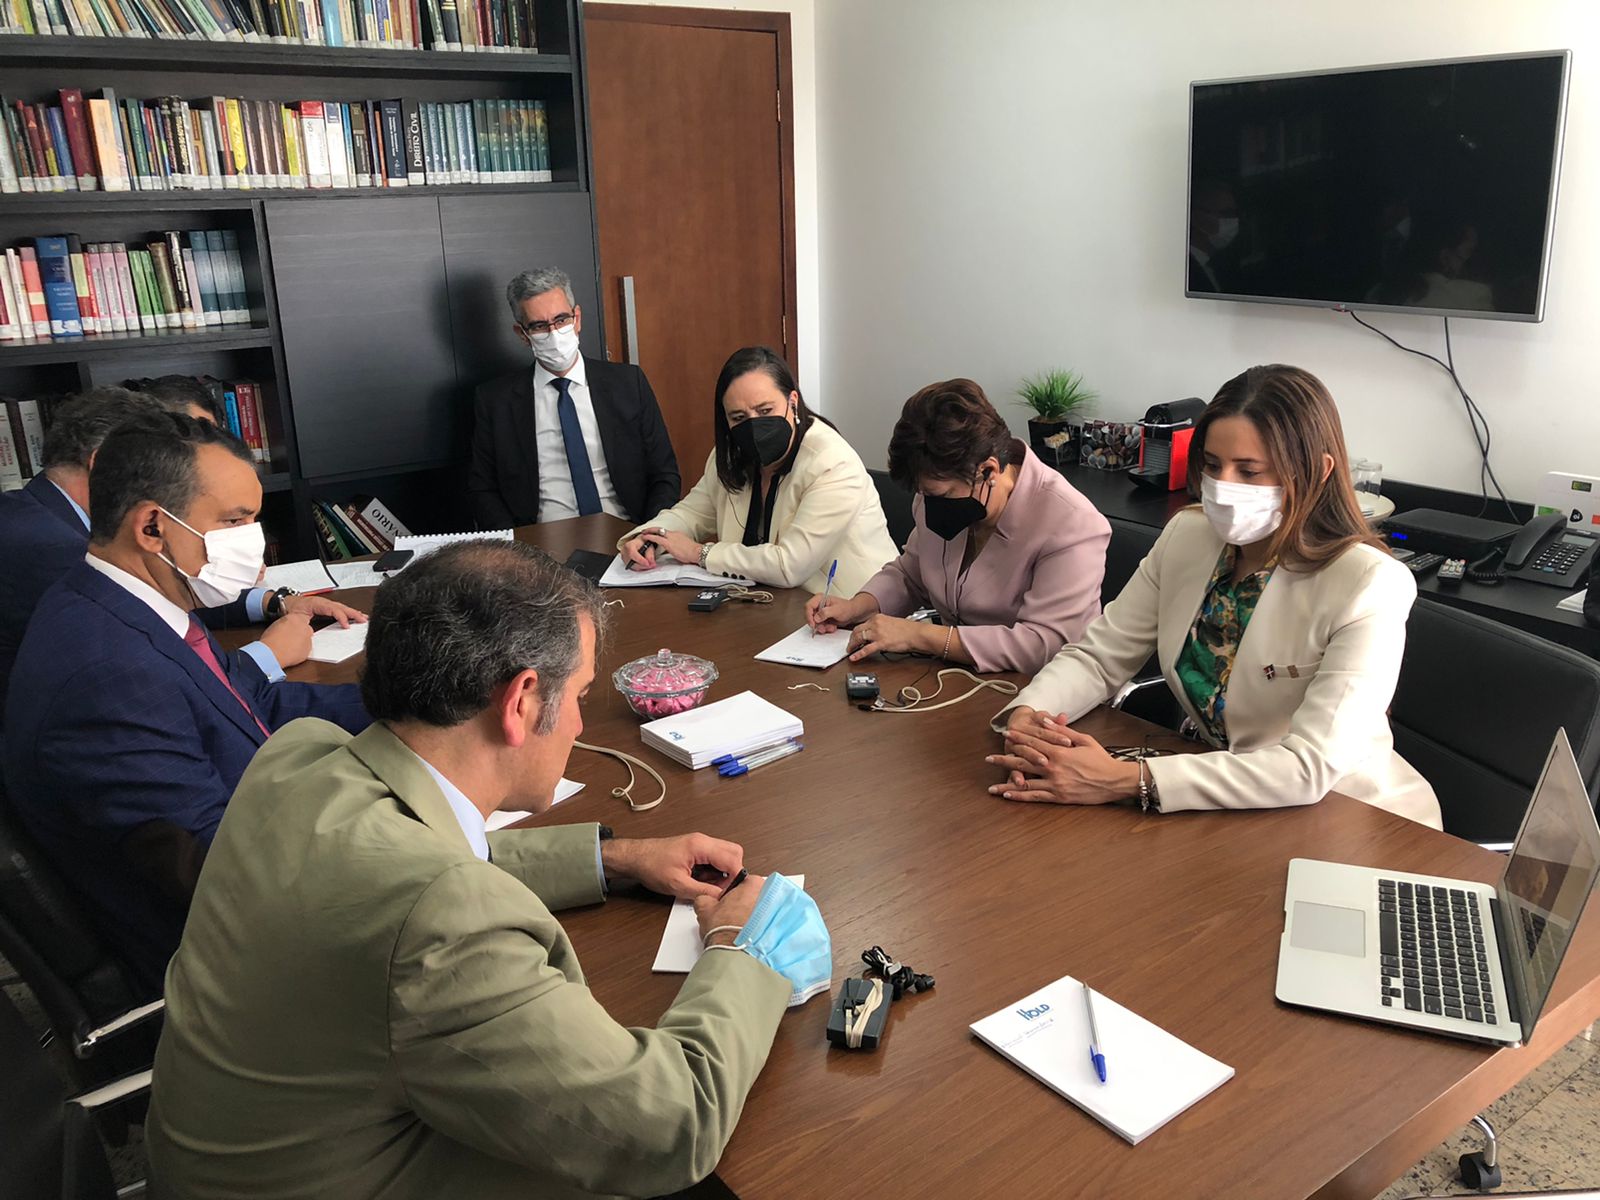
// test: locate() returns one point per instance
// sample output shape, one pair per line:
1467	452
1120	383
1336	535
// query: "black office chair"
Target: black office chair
896	503
1476	708
83	990
1146	695
48	1140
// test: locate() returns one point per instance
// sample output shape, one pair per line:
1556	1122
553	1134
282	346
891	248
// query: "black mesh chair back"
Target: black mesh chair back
1130	542
896	503
1475	711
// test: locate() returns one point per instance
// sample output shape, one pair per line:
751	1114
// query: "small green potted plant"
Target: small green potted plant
1058	399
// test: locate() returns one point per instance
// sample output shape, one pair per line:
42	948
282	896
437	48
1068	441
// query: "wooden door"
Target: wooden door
690	115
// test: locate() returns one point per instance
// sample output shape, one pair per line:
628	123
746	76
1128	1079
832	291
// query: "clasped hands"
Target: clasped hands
693	867
639	552
870	631
1047	761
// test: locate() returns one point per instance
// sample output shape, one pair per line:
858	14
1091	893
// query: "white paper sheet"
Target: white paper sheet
335	644
354	575
802	648
1574	602
308	575
680	941
1151	1076
565	790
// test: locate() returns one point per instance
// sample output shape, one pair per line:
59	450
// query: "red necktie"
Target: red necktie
201	645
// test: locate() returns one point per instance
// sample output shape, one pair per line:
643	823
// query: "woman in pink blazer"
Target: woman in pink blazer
1007	552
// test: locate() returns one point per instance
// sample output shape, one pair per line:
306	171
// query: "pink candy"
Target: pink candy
665	684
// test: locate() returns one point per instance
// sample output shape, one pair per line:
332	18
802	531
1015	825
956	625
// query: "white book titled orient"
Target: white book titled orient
1151	1076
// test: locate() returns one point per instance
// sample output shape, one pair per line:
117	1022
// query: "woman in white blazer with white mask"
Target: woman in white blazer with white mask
1278	619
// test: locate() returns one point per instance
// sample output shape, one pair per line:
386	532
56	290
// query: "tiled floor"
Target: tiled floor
1549	1129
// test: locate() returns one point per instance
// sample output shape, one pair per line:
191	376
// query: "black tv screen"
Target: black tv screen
1428	187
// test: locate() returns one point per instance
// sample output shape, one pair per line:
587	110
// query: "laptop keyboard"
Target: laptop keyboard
1433	957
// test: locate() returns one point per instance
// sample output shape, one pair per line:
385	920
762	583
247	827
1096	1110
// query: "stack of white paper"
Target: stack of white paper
1151	1076
307	576
426	543
335	643
803	648
565	790
355	574
736	725
667	570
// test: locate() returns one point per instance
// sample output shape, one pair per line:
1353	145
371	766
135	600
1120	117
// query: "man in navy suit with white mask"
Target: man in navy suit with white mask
571	437
127	726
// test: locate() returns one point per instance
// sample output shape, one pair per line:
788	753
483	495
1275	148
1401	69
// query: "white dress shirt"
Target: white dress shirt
171	615
557	498
472	823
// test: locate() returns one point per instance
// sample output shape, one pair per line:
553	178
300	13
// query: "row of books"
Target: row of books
478	25
62	288
24	422
360	526
223	143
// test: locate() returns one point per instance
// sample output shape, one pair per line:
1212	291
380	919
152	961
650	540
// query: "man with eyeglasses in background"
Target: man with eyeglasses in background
574	435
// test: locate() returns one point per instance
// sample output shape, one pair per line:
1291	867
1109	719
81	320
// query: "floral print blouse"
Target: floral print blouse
1206	661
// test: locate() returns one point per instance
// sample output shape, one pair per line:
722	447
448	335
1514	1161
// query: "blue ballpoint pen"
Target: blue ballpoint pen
1095	1056
827	587
745	766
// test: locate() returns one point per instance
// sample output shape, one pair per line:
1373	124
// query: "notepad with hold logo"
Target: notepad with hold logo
736	725
1151	1076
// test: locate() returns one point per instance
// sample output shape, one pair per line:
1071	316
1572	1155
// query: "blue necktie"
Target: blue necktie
577	453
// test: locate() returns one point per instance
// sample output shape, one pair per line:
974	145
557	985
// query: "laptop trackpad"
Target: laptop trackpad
1324	927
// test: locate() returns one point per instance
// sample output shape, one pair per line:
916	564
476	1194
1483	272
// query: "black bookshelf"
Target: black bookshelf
375	312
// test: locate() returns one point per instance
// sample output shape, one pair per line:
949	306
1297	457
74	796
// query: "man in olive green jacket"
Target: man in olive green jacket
372	997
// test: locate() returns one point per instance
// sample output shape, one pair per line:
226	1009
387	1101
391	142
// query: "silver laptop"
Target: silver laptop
1471	960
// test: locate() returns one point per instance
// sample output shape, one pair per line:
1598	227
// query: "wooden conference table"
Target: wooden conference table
1177	917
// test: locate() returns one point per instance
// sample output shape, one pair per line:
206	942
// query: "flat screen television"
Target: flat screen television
1420	187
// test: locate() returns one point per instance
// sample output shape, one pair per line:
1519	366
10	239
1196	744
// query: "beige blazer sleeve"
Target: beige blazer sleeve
1331	732
831	501
501	1049
1119	642
695	514
557	863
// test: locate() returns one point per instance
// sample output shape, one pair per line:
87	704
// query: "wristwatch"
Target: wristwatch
607	833
705	549
273	608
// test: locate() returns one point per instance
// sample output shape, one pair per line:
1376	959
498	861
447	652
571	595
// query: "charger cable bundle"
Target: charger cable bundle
910	699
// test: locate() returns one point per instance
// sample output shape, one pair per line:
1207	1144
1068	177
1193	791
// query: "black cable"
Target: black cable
902	979
1482	436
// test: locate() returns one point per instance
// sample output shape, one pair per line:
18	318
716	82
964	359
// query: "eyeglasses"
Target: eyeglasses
557	322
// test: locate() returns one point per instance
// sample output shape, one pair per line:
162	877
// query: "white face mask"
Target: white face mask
233	562
556	350
1241	513
1227	230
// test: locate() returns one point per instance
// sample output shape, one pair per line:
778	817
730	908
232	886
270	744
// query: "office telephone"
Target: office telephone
1548	550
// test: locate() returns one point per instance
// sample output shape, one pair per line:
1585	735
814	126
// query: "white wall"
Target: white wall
1002	189
804	60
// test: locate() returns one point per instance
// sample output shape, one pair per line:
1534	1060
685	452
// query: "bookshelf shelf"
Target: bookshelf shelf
240	337
316	261
174	201
269	58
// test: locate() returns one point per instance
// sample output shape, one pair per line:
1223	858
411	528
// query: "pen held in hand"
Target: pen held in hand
826	588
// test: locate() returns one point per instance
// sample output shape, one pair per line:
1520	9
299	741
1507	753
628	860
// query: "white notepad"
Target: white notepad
565	790
335	644
1151	1076
306	576
354	575
667	572
681	947
732	726
802	648
426	543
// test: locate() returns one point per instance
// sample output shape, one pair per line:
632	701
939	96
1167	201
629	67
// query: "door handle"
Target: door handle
630	320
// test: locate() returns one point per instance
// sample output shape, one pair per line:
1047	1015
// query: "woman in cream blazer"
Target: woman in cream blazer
782	497
1294	696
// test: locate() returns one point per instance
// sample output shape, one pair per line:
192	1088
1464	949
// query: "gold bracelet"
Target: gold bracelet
950	632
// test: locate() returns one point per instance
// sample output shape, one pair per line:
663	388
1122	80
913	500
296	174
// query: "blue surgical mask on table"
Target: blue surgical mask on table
785	931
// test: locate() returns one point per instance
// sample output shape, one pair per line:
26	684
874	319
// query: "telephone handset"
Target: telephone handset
1547	550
